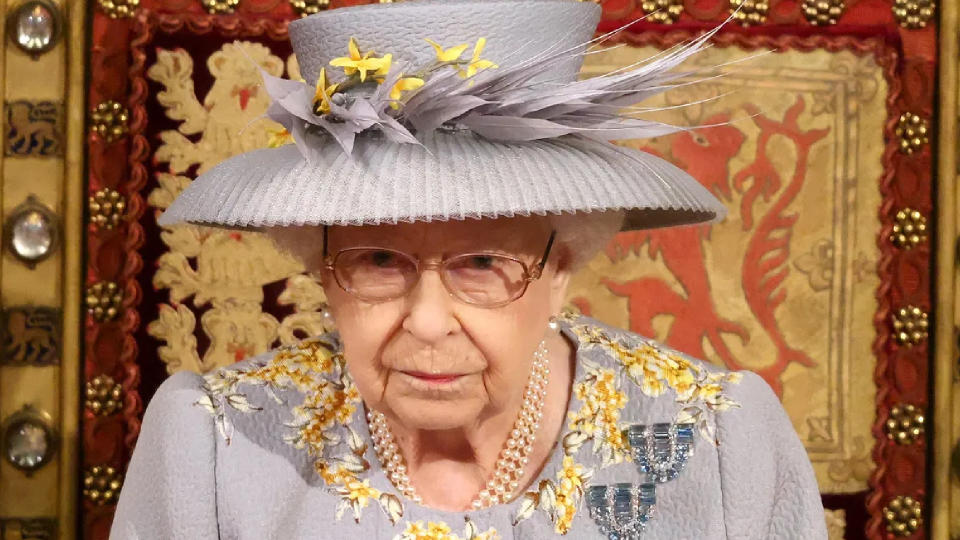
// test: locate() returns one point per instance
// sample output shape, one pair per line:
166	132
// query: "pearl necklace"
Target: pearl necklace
513	457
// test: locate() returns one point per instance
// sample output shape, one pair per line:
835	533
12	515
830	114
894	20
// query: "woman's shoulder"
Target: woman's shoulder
659	383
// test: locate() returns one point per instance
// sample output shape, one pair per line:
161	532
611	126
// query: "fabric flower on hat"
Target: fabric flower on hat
362	64
325	90
405	84
447	55
476	63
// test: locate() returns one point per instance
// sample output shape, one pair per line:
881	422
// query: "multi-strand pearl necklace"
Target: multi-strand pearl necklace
513	458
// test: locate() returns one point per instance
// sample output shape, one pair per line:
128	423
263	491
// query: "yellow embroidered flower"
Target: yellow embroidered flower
571	474
600	414
476	63
325	90
278	137
361	491
448	55
405	84
567	510
333	475
362	64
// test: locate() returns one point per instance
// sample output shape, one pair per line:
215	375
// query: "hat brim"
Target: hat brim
455	175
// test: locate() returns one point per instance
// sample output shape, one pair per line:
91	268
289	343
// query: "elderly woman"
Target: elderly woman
444	200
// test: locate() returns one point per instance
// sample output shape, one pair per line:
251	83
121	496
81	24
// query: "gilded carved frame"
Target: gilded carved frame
945	471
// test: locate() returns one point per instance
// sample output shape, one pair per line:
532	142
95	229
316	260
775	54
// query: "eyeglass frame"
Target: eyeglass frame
329	263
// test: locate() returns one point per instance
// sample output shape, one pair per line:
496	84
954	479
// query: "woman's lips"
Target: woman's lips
436	378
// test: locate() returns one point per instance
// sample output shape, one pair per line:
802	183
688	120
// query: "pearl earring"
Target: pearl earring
553	323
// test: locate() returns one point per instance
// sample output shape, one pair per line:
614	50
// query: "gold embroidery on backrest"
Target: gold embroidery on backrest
223	270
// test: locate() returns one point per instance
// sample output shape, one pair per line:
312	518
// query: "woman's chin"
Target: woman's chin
436	414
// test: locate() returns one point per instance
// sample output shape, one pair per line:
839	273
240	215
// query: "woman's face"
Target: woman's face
429	360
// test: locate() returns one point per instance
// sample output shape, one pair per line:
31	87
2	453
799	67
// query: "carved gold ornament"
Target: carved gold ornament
104	300
117	9
309	7
823	12
903	516
905	424
103	395
836	524
218	272
107	208
101	485
913	132
909	229
914	14
219	7
910	326
663	11
109	120
750	12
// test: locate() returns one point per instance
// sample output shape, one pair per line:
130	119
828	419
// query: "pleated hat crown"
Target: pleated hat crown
514	31
430	110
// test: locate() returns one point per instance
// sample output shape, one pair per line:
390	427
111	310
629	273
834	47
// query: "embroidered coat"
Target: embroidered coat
277	447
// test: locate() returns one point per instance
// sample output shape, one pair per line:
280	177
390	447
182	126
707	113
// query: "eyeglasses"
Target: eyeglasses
483	279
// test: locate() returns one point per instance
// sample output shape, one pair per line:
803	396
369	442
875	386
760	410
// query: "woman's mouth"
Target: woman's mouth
435	378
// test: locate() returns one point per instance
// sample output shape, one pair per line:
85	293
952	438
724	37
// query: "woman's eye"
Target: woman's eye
382	258
481	262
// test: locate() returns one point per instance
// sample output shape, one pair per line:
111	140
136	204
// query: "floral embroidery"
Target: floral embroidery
316	369
655	370
320	423
441	531
560	499
599	417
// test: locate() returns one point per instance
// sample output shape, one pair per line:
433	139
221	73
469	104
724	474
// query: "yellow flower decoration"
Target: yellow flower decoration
405	84
325	90
448	55
278	137
476	63
361	491
362	64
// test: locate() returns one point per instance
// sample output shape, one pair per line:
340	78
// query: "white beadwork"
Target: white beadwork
514	456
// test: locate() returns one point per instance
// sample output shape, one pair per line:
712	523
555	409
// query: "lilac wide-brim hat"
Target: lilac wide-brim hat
451	109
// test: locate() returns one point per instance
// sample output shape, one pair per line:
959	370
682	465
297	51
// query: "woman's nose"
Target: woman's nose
429	316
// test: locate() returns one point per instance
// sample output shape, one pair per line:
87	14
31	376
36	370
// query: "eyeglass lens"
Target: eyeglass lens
379	274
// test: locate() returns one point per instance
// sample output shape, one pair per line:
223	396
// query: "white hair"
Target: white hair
579	236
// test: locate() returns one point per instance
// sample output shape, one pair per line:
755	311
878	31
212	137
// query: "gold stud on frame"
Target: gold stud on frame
662	11
905	424
910	326
104	300
750	12
823	12
309	7
103	395
913	132
101	485
909	229
903	516
110	121
914	14
119	9
107	208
